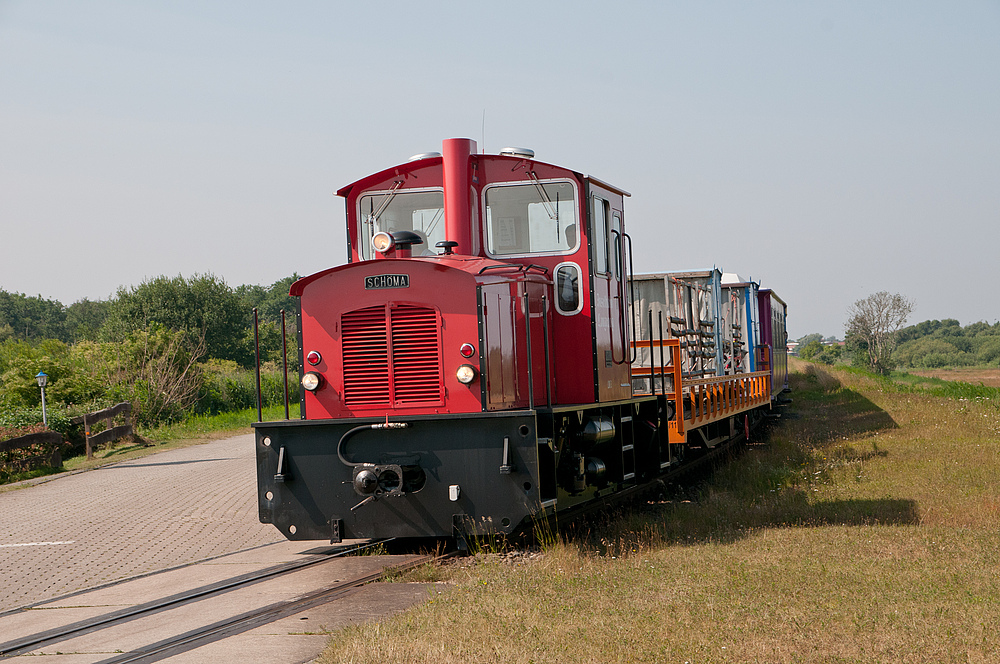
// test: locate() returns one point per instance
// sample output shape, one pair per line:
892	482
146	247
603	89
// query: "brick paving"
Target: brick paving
124	520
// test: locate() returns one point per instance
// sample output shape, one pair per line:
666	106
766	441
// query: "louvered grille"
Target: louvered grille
416	375
413	362
366	360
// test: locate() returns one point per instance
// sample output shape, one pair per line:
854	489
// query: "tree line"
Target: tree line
939	343
877	339
171	346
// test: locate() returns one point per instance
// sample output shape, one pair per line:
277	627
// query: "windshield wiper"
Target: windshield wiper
546	201
372	218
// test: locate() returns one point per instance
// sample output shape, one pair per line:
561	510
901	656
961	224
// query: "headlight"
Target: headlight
311	381
466	374
382	242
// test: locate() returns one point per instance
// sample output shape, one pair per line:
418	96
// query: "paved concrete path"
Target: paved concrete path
89	530
123	520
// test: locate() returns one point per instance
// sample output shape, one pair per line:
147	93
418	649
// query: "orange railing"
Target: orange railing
699	401
715	398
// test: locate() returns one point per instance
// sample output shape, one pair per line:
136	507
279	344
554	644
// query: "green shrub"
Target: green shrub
72	378
227	387
810	350
829	354
27	418
933	352
988	351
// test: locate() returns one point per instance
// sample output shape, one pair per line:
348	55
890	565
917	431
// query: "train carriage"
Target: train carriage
480	361
774	335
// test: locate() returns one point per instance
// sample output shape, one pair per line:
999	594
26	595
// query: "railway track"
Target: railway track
221	628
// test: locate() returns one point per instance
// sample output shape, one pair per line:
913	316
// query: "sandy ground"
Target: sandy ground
972	375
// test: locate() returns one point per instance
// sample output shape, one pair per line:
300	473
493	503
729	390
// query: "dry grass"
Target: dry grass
972	375
865	532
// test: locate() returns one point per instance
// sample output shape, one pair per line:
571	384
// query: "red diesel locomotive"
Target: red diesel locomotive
484	360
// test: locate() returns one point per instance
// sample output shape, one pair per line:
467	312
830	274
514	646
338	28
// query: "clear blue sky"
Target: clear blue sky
828	149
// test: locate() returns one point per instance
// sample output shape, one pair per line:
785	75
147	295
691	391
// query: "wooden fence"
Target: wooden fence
110	433
46	438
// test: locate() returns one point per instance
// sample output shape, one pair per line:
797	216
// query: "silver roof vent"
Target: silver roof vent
424	155
524	153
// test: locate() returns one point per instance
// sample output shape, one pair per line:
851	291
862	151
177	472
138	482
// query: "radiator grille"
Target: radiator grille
391	356
366	363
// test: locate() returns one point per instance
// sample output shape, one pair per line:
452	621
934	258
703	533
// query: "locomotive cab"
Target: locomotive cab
515	210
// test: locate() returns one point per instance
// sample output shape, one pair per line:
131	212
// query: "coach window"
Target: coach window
419	211
600	235
538	217
568	288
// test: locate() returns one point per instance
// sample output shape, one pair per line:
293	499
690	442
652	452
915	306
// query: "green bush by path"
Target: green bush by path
201	425
227	387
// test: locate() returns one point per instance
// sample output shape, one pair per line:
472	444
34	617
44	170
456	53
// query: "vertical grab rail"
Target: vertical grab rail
284	360
256	350
527	325
626	321
545	343
652	366
663	380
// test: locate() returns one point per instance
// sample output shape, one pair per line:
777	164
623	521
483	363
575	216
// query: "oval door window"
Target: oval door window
568	288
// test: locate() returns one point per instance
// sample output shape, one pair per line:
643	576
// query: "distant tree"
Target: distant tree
33	318
829	354
932	352
809	338
989	351
810	350
981	328
84	318
270	301
872	325
204	307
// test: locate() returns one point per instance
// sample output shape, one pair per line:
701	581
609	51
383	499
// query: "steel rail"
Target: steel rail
59	634
251	619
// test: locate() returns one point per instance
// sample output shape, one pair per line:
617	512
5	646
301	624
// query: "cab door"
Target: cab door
611	354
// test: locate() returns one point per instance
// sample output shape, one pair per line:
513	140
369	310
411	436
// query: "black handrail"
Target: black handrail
256	347
631	289
284	360
663	379
545	342
527	324
627	355
516	267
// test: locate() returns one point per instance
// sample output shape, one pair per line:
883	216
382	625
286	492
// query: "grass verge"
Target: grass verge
864	532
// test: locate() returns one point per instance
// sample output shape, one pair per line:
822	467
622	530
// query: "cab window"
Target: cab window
531	218
419	211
